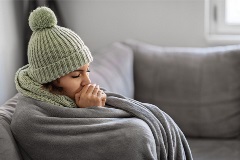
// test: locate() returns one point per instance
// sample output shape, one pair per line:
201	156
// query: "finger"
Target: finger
104	97
85	88
90	89
96	89
99	93
103	101
77	96
102	93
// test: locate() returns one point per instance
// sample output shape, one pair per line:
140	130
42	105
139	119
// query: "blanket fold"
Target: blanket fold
170	141
123	129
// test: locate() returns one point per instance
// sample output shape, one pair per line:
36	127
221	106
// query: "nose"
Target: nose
86	80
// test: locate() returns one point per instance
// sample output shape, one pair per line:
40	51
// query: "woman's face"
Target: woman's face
73	82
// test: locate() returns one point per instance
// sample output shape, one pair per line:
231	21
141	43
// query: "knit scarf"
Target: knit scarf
30	88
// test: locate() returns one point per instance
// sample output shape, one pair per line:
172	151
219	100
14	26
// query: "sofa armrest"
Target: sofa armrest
8	149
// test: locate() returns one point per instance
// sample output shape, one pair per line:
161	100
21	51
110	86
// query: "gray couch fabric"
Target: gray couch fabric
8	146
215	149
112	68
198	87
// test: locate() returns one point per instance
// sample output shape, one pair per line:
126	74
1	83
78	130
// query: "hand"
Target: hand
90	96
104	98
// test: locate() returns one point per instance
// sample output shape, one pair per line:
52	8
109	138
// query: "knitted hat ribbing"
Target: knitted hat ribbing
53	51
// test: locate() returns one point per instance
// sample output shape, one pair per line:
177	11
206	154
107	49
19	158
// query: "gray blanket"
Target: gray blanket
123	130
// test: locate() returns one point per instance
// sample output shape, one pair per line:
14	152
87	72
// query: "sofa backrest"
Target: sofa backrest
198	87
112	69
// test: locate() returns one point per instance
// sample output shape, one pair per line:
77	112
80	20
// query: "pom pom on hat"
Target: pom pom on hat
42	17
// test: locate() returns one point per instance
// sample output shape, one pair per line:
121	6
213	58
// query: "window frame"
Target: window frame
216	30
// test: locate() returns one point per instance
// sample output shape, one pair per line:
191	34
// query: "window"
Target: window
222	20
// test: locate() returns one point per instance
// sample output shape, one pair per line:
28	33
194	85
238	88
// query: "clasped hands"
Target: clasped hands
90	95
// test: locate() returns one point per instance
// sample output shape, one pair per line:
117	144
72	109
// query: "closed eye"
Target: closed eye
76	76
80	73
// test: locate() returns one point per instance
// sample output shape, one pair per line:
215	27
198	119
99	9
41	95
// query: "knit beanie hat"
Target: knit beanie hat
53	51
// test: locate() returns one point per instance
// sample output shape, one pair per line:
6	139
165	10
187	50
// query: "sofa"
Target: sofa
198	87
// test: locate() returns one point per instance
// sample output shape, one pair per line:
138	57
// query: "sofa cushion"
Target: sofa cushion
215	149
112	69
8	149
198	87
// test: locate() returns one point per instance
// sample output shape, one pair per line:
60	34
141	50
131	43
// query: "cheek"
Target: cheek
73	87
70	86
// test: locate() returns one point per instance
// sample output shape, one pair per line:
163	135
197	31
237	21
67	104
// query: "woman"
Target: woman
61	115
77	86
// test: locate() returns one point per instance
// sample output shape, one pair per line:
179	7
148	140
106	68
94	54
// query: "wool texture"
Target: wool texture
53	52
30	88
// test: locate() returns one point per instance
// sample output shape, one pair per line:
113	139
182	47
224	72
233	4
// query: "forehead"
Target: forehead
82	67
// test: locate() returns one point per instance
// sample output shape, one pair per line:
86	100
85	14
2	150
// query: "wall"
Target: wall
162	22
10	46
